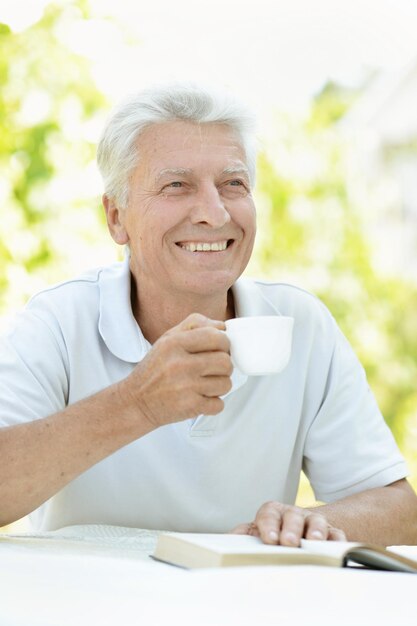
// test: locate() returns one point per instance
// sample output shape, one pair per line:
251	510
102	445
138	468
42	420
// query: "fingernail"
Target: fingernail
273	535
317	534
291	538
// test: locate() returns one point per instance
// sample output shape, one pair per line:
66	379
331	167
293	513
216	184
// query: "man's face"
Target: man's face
190	221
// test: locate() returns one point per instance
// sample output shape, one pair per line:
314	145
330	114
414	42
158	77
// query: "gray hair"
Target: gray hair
118	153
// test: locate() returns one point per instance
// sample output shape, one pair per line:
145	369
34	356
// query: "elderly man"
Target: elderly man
118	399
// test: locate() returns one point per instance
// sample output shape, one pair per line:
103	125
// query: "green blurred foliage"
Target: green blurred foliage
311	233
48	103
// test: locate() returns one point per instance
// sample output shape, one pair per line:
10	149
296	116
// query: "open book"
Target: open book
194	550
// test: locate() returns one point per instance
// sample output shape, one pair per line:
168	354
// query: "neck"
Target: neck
156	314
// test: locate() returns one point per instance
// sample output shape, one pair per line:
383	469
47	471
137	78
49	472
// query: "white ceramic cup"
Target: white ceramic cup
260	345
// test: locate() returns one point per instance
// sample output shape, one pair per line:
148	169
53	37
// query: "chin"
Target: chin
209	286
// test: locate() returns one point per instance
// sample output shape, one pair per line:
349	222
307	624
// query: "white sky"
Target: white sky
274	53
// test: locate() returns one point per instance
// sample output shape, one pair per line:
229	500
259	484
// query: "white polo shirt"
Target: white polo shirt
212	473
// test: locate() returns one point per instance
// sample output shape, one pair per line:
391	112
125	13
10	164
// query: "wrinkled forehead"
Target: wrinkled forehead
180	146
181	134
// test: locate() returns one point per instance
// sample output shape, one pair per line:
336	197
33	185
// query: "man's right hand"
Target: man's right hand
184	374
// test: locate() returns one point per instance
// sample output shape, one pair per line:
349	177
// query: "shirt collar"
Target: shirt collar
250	301
119	329
117	325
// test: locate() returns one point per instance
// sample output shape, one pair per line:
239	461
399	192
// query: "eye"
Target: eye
238	183
176	187
236	186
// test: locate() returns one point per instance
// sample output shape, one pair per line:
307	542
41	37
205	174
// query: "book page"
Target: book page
329	548
231	544
410	552
91	538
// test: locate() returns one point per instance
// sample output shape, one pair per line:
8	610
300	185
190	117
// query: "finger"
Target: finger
336	534
206	339
292	527
242	529
253	530
196	320
212	386
268	522
317	527
209	406
212	364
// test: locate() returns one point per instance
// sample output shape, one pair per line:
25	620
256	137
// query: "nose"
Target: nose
209	208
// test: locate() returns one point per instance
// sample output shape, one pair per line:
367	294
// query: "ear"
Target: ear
115	221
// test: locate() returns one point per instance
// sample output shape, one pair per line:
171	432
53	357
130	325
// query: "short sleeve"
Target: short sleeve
33	376
349	447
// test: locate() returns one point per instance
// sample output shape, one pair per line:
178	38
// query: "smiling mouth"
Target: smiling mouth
205	246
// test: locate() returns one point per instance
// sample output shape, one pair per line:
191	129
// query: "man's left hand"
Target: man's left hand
286	525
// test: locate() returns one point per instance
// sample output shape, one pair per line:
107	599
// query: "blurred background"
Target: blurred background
334	84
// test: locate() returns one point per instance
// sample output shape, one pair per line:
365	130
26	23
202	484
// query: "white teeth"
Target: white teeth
204	247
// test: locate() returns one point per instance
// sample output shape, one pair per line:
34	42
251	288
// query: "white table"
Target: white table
100	575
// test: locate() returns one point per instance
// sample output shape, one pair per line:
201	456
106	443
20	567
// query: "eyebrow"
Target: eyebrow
183	171
173	171
241	169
